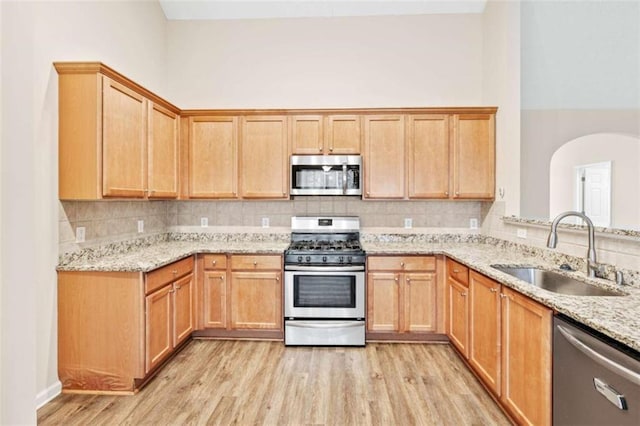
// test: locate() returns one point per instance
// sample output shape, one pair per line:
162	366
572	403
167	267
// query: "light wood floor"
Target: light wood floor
226	382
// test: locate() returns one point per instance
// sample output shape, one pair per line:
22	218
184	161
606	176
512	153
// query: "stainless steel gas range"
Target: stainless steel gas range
324	283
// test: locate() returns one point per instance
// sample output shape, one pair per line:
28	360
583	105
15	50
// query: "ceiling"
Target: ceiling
264	9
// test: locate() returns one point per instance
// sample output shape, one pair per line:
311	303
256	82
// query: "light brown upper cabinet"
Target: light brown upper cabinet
213	146
115	138
325	134
428	156
473	155
264	157
163	152
384	156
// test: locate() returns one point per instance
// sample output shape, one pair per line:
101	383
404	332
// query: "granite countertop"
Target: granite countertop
617	317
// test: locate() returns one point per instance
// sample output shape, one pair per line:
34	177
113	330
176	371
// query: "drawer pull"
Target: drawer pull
456	271
174	272
402	264
213	262
463	294
493	290
177	287
255	263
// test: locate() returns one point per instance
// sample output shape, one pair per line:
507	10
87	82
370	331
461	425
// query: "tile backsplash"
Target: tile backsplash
109	221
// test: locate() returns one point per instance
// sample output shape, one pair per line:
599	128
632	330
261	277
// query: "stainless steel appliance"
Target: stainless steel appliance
324	283
326	175
596	381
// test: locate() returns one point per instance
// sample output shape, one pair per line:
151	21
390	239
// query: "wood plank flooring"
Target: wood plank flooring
243	382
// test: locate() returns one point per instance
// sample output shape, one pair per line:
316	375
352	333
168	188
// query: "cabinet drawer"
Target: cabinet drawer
402	263
214	261
457	271
167	274
253	262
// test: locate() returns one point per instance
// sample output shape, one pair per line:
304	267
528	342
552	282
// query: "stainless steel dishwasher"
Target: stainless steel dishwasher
596	381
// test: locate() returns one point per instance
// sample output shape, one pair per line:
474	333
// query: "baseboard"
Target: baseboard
48	394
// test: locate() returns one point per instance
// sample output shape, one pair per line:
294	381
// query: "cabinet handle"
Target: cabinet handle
503	296
331	149
463	294
396	278
177	287
408	281
174	272
255	263
493	290
455	271
446	193
213	262
320	149
402	264
457	193
277	278
172	291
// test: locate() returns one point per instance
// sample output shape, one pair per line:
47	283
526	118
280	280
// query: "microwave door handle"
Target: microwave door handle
344	178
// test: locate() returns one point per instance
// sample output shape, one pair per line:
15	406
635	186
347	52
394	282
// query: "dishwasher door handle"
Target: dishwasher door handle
597	357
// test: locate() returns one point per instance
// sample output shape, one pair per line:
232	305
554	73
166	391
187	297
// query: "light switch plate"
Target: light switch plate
140	226
265	222
80	232
473	223
408	222
204	222
521	233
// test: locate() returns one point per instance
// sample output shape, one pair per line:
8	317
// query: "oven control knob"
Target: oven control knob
324	259
308	259
341	259
299	259
349	259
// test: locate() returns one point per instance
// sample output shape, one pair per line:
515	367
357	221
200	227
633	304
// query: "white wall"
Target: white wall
129	36
580	75
430	60
501	87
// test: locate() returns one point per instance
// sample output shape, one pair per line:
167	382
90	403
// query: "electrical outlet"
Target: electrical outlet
140	226
521	233
408	222
204	222
473	223
80	231
265	222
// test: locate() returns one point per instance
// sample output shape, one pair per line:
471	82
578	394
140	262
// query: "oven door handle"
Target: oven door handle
324	268
324	324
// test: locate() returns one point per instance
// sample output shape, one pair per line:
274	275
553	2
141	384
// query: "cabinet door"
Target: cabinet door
183	312
159	331
384	158
428	156
264	158
342	135
526	358
124	141
474	155
420	302
215	299
458	298
484	327
213	145
162	153
256	300
307	134
383	295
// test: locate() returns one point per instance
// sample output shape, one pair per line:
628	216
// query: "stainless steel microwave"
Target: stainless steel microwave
326	175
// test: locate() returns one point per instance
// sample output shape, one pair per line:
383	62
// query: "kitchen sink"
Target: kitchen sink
554	282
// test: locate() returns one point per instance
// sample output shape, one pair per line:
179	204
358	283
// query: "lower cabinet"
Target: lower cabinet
458	306
169	319
401	296
256	292
509	344
242	295
115	328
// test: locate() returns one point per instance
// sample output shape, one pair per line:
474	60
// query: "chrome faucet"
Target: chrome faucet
552	241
